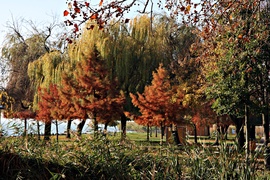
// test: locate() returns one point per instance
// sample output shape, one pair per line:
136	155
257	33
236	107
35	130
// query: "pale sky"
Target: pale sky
39	11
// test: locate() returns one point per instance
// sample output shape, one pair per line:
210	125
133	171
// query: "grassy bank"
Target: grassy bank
110	158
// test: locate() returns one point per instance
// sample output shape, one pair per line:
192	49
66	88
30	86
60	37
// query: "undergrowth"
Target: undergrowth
100	158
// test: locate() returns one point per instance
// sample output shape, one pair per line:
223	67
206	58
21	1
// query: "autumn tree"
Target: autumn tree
236	74
24	115
67	108
92	94
48	103
161	103
20	49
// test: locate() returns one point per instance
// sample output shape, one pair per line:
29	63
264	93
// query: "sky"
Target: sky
39	11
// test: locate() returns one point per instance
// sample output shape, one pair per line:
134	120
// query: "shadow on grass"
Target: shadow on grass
14	166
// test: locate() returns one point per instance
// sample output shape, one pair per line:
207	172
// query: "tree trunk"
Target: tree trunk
162	129
148	133
106	126
123	126
195	134
224	131
208	131
38	130
252	135
105	129
266	127
57	132
239	123
240	134
68	128
175	134
25	128
247	125
47	131
95	126
156	131
80	127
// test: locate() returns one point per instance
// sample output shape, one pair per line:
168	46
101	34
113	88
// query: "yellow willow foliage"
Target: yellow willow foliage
46	70
131	51
6	101
138	45
83	47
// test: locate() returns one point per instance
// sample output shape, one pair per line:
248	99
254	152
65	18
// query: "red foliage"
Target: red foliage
48	106
26	114
90	93
66	13
203	114
76	28
160	103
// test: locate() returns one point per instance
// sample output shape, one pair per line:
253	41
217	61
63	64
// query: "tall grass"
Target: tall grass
28	158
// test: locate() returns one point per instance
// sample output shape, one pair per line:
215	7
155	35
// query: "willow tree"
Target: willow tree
19	54
133	52
44	71
19	50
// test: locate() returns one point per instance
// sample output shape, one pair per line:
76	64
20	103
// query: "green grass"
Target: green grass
111	158
142	137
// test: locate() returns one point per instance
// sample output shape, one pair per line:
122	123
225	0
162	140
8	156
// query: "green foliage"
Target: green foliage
238	61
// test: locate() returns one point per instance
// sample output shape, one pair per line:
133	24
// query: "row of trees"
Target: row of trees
232	52
95	76
224	66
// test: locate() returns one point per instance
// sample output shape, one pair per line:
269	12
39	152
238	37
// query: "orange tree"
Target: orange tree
48	108
67	108
24	115
91	93
161	103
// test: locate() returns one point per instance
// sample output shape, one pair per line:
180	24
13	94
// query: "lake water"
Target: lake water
15	127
